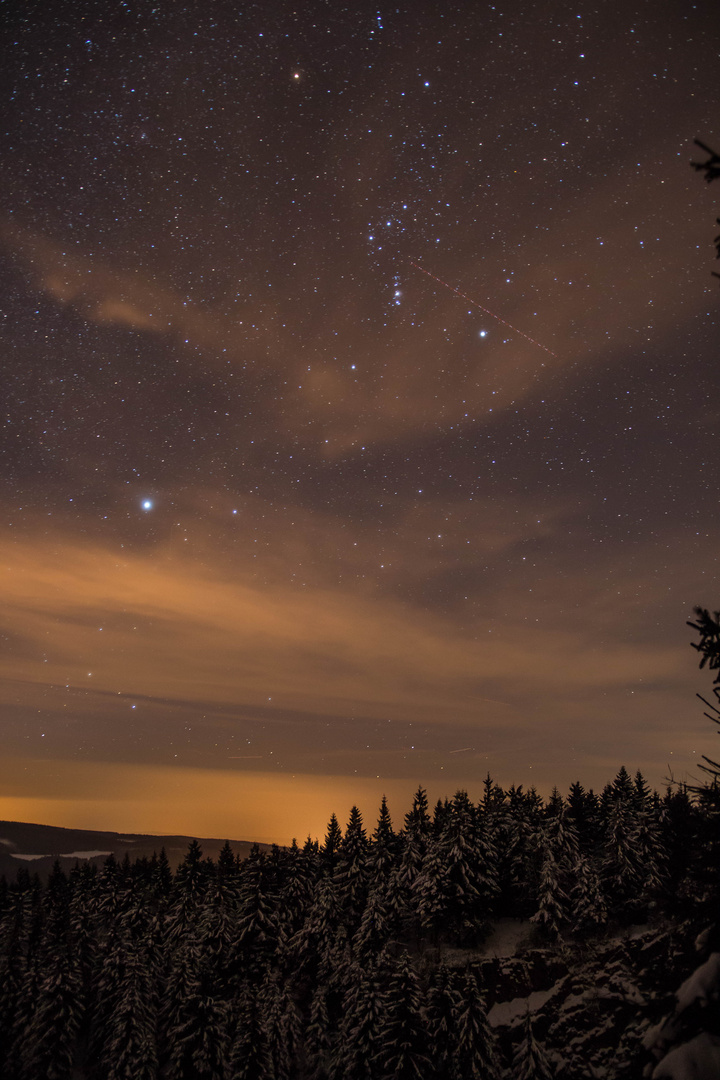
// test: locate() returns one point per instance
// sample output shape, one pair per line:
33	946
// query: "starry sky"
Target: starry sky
360	385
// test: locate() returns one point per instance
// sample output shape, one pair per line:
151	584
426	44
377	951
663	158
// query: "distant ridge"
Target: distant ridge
46	843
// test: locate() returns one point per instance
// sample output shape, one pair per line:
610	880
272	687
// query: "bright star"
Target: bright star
483	333
147	504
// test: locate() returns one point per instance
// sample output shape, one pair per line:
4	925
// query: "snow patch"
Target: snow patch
506	1012
698	1059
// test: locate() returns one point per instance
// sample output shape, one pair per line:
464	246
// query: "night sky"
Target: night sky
287	522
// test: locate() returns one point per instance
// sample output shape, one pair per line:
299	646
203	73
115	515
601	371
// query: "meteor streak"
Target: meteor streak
487	312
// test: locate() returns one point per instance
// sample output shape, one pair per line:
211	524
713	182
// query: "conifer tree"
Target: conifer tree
312	947
621	871
193	1022
250	1057
589	910
553	901
476	1053
318	1036
129	1038
351	875
402	894
559	848
296	891
357	1044
383	847
49	1043
429	892
529	1060
417	820
283	1026
465	908
443	1007
187	893
331	845
402	1052
257	923
376	924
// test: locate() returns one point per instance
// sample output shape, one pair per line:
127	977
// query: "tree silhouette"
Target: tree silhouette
711	168
708	626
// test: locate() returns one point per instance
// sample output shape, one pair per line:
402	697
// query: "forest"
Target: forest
362	956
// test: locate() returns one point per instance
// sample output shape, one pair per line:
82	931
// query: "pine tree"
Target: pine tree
417	820
384	844
311	948
296	891
187	893
193	1023
250	1057
351	875
559	848
589	910
429	893
129	1033
318	1036
443	1007
331	845
529	1060
476	1053
553	902
257	923
358	1038
402	1052
283	1026
376	924
49	1044
621	873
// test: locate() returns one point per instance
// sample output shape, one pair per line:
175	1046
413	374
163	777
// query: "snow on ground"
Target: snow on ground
505	1012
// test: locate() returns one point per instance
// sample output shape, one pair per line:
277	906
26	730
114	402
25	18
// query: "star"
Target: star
147	504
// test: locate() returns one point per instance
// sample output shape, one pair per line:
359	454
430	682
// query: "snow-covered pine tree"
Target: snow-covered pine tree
296	891
331	845
250	1057
685	1045
414	841
187	894
128	1050
283	1025
403	1052
529	1060
553	902
466	910
428	895
257	921
351	871
318	1036
49	1044
382	856
376	924
559	847
621	873
441	1013
193	1031
589	910
476	1054
357	1043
